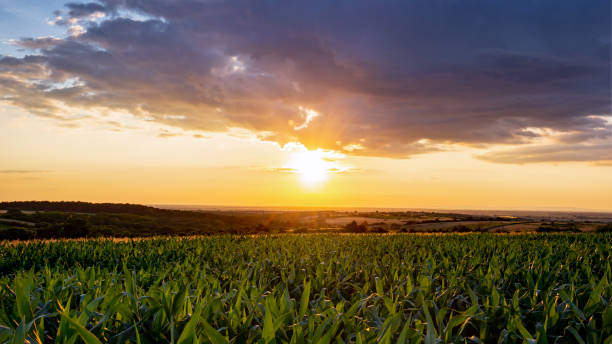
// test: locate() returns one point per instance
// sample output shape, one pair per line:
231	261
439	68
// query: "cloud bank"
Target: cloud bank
383	78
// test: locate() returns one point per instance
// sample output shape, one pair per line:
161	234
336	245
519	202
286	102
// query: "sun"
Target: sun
313	166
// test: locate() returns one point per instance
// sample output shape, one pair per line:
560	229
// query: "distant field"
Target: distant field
56	220
589	227
341	221
16	222
448	225
329	288
519	227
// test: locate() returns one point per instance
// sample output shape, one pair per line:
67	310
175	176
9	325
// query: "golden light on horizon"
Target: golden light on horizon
314	166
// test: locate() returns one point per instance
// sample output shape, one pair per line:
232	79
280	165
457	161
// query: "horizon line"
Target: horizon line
226	207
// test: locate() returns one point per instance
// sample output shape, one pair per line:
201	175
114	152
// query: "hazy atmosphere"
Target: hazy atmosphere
439	104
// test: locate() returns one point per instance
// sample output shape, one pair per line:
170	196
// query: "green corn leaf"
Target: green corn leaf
137	334
379	287
268	333
519	325
304	300
213	335
85	335
575	308
430	337
576	335
607	317
19	334
403	337
189	335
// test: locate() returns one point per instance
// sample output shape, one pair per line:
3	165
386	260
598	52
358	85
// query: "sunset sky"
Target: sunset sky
408	104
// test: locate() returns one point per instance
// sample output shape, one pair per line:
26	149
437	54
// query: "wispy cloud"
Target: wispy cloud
165	134
599	154
308	115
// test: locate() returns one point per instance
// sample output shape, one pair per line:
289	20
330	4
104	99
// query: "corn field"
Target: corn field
476	288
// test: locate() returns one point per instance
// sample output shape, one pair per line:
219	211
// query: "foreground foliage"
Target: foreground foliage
539	288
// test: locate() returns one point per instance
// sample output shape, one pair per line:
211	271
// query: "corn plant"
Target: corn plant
477	288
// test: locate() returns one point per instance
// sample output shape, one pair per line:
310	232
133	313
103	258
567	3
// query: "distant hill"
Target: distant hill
45	220
77	219
92	208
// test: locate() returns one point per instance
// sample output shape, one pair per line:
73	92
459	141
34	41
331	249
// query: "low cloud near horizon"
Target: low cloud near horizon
384	78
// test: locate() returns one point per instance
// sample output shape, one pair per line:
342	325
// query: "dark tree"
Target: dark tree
353	227
607	228
13	212
76	227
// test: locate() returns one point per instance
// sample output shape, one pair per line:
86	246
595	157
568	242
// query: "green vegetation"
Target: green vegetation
558	227
353	227
536	288
53	220
80	219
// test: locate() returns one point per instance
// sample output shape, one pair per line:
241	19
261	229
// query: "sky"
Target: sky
407	104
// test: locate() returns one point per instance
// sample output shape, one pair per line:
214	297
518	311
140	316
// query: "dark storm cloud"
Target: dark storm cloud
383	75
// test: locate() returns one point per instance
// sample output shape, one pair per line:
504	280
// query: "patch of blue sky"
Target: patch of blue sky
27	18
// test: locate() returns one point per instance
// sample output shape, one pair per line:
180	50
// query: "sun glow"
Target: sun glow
314	166
311	167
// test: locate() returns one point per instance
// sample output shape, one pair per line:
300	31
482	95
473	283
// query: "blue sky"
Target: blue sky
27	18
